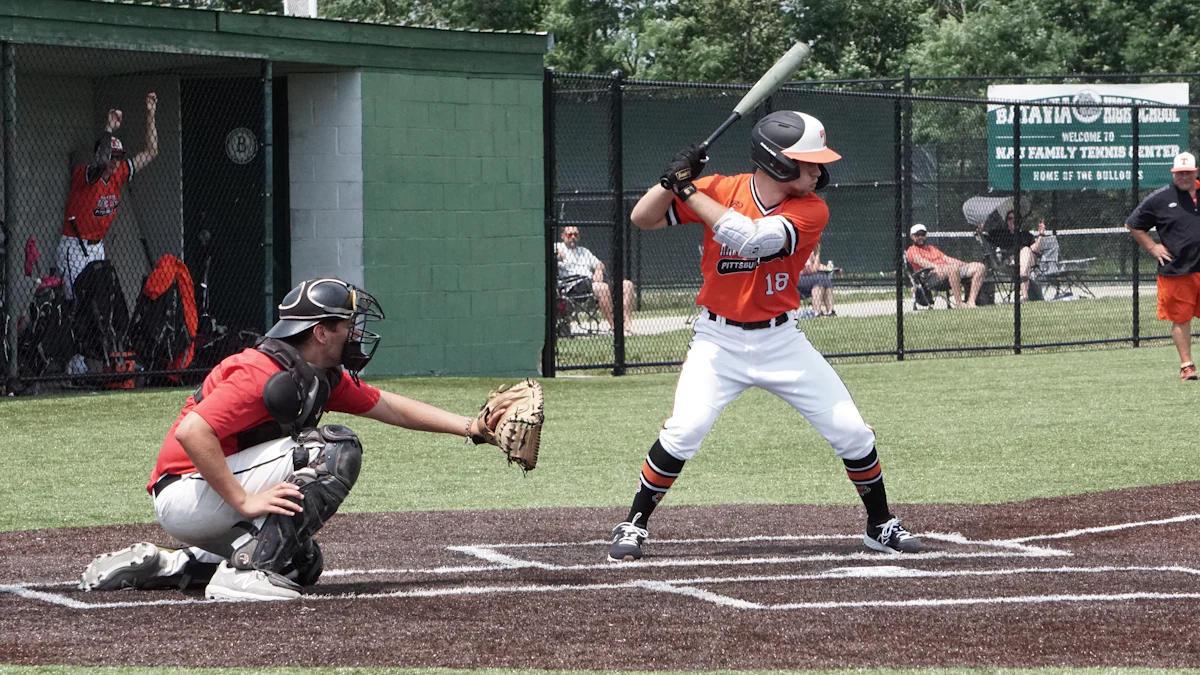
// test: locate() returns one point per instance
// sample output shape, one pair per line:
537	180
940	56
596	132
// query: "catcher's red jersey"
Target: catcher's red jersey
754	289
94	205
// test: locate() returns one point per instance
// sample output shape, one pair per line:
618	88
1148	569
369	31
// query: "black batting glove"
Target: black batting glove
683	168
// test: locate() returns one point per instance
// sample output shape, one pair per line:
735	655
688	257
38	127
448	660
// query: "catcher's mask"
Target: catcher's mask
783	139
317	299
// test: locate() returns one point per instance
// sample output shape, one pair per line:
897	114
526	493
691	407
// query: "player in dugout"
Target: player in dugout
95	193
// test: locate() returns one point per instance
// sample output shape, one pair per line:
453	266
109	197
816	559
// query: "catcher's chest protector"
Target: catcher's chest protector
295	396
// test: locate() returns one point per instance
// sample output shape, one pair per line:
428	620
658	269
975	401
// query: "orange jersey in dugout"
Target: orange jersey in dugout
754	289
94	205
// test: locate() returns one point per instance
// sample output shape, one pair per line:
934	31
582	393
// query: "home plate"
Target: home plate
878	571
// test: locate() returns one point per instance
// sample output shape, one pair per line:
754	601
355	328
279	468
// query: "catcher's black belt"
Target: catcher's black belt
753	325
164	481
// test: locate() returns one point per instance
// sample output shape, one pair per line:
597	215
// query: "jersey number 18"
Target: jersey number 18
777	283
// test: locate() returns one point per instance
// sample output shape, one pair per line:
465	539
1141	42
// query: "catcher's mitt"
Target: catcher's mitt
518	432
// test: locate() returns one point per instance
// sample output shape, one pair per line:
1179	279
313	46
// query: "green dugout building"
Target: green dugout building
406	160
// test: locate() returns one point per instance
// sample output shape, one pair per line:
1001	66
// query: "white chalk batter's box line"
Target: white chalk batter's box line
690	586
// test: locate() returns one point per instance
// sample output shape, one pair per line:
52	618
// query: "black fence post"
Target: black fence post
616	180
268	74
551	223
9	104
1016	269
898	257
1133	245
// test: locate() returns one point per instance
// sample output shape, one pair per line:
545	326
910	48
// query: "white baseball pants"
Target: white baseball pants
723	361
195	514
71	258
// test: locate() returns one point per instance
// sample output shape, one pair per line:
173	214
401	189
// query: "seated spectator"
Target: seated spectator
1013	243
574	259
950	270
816	283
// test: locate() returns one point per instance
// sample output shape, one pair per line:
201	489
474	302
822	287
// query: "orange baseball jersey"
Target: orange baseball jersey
753	289
94	205
932	254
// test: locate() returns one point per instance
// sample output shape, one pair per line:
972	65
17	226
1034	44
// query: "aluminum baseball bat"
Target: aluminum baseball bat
766	85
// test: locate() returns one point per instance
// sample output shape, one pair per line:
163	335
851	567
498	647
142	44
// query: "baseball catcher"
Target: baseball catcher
247	476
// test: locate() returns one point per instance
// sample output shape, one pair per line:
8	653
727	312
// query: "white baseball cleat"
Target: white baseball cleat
229	583
130	567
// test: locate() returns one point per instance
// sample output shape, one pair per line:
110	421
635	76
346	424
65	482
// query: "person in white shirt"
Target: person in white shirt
574	259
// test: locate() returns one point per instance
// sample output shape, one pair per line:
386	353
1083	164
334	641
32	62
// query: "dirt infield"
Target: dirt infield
1109	579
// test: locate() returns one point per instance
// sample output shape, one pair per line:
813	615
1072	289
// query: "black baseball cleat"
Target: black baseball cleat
627	543
891	537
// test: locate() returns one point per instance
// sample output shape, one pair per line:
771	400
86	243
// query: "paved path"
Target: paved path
885	306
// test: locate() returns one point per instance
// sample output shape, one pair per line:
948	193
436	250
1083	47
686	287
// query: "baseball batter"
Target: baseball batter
761	228
95	193
246	476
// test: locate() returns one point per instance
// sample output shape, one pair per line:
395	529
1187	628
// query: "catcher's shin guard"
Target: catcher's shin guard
325	483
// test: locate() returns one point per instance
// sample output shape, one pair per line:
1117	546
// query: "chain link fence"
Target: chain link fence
907	159
134	215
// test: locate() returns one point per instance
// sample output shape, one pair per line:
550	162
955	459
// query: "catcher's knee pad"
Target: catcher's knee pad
325	483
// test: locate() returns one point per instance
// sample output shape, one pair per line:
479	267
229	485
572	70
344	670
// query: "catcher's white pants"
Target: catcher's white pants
192	512
723	361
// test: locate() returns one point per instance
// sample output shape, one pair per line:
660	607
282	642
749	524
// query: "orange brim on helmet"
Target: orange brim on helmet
822	156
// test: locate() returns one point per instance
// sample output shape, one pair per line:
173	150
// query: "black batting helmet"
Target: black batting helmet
782	138
315	300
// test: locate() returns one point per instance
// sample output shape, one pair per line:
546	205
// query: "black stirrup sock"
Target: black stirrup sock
867	476
659	472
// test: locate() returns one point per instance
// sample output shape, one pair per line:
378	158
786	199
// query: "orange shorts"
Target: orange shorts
1179	298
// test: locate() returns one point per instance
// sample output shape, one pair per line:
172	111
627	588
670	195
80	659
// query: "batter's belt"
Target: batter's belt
752	325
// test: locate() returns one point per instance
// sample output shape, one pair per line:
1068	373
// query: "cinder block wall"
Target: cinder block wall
452	221
325	156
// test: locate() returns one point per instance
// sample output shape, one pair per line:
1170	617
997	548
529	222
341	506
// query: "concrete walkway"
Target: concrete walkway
885	306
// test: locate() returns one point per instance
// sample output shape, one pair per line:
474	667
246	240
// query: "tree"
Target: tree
402	12
858	39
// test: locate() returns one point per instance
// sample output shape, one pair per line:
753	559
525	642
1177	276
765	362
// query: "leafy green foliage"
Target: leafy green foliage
734	41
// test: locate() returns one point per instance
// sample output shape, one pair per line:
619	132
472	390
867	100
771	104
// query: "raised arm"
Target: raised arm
150	142
103	150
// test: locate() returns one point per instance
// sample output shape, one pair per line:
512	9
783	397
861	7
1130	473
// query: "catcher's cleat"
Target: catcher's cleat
891	537
130	567
627	543
229	583
1188	372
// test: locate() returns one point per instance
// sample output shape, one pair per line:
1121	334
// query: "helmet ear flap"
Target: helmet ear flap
823	180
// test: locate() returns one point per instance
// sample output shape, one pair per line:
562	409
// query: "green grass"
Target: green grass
977	430
963	430
992	326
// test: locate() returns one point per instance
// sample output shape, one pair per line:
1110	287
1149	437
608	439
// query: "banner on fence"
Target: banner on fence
1069	139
